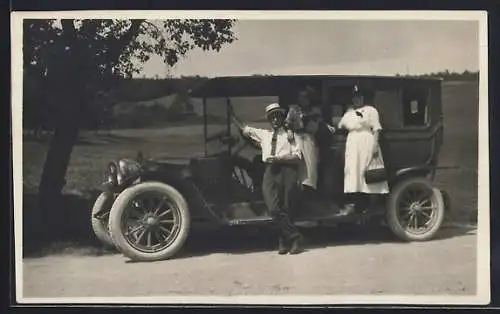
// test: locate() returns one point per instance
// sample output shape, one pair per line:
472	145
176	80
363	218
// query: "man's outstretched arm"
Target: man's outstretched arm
254	134
241	126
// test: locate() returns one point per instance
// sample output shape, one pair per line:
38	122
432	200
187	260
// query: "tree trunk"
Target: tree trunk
63	89
69	78
54	172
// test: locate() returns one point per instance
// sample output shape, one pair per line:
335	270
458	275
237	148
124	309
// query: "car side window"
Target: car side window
415	107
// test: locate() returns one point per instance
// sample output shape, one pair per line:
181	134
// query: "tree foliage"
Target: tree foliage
102	51
69	64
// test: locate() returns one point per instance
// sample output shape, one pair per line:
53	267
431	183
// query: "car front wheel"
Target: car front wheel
149	221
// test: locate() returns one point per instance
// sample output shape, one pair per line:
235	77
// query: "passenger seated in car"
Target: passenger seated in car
305	120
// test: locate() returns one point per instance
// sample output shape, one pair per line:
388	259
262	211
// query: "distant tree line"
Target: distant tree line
133	91
100	111
137	89
448	76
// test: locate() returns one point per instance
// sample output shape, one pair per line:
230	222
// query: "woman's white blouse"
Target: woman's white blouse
369	120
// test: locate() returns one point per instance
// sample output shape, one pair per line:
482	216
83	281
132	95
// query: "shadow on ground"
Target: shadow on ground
244	241
68	230
71	233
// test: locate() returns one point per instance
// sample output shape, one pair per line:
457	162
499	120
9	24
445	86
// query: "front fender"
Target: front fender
110	187
181	179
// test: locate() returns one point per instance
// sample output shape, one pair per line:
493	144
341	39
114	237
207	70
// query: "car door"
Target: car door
336	98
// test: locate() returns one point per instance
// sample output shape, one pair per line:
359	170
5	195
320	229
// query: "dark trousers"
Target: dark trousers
280	189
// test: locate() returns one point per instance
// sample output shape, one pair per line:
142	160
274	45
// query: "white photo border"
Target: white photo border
482	296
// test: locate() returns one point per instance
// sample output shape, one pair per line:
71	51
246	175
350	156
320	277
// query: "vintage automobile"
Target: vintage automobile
147	207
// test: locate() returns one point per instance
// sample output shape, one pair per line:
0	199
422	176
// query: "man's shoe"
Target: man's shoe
283	247
297	245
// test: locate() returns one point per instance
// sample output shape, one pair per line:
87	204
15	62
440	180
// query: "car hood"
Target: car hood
166	165
168	160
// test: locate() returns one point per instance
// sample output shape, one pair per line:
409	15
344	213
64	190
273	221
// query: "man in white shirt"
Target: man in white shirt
280	182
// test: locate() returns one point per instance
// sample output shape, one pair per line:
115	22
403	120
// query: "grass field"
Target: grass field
460	148
93	152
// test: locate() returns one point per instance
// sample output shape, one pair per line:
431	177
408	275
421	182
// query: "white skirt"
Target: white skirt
358	158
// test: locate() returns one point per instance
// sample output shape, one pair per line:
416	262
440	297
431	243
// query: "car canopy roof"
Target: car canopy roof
247	86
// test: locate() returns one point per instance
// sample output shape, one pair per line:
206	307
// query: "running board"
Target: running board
269	220
250	221
299	221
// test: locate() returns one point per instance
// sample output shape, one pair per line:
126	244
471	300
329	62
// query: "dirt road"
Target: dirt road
239	263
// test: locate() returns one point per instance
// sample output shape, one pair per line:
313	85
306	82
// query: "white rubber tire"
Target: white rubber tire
121	204
392	208
100	226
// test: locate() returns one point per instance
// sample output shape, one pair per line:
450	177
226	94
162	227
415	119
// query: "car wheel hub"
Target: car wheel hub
150	220
414	207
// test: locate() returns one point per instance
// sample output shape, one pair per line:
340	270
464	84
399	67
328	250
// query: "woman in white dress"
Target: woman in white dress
362	152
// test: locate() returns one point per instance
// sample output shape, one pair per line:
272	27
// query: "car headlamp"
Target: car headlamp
112	173
122	171
128	170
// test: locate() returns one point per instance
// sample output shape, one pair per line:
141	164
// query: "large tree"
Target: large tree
68	62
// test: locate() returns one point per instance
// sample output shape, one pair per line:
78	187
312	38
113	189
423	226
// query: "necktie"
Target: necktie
273	142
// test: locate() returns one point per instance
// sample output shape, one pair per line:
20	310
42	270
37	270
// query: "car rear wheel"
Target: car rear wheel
100	217
415	210
150	221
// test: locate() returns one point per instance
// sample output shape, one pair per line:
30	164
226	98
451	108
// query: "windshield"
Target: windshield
216	122
250	110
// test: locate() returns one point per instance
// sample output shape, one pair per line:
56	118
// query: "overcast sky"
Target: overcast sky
335	47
